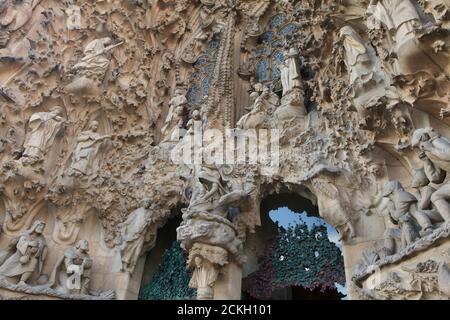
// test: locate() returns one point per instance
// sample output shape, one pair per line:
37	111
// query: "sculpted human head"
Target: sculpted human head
146	203
198	261
83	245
196	114
391	187
178	92
37	227
106	41
57	110
93	126
258	87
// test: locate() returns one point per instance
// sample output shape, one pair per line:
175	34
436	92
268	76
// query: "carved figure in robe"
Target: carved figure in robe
91	69
28	254
138	234
195	123
175	118
43	129
363	67
75	263
292	102
94	62
265	104
291	77
86	150
207	191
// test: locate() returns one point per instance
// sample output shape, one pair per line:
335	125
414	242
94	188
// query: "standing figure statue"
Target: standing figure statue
173	125
368	84
28	252
292	102
43	126
84	156
291	77
71	274
138	234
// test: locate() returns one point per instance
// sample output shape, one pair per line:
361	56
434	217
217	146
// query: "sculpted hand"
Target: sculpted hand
422	156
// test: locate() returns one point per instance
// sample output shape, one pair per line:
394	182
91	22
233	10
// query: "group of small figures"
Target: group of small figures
418	214
21	264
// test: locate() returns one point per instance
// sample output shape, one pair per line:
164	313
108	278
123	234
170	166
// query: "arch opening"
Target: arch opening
165	276
294	255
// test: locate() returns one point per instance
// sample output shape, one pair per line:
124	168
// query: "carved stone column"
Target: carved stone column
229	283
207	261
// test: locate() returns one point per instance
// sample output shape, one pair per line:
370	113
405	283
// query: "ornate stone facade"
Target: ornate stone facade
96	97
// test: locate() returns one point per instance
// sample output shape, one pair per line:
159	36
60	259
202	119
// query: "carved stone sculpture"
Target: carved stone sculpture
195	123
43	129
292	102
72	272
174	122
206	261
73	17
264	106
86	150
367	81
405	212
343	84
435	151
137	234
91	69
206	218
28	255
401	18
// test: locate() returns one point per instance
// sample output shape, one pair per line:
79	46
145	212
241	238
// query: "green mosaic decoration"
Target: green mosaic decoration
171	279
297	257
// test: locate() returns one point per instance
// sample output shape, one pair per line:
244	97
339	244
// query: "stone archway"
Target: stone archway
308	268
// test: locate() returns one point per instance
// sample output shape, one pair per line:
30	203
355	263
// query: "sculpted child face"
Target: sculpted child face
196	114
198	261
93	126
83	245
